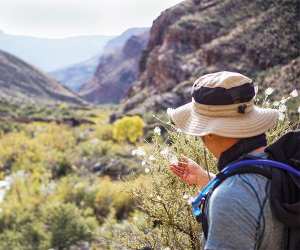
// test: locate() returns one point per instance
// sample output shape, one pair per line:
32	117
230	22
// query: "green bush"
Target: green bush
114	198
68	226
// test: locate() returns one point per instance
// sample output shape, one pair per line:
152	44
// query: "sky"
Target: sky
64	18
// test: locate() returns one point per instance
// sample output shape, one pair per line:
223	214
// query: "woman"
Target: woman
223	114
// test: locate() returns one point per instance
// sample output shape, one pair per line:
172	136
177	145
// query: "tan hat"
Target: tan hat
222	104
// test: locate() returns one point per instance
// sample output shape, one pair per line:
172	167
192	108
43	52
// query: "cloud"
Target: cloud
72	17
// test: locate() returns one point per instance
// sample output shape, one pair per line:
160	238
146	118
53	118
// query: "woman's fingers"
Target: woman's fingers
184	158
183	164
180	168
176	172
188	160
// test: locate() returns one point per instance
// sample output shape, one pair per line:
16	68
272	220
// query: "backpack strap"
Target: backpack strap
257	166
241	170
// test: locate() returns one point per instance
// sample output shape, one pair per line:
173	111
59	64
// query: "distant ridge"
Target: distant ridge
76	75
21	82
79	74
50	54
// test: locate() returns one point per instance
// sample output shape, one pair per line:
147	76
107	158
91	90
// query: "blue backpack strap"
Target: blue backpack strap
262	162
257	166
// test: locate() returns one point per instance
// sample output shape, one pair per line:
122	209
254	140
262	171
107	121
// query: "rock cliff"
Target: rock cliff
116	71
256	38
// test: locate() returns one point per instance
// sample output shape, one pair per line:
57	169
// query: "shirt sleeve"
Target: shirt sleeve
234	216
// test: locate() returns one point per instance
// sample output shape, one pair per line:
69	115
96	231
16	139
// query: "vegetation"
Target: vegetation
56	188
128	128
99	185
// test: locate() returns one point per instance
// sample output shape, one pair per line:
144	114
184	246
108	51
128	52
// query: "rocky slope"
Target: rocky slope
78	74
22	82
117	70
257	38
119	41
75	76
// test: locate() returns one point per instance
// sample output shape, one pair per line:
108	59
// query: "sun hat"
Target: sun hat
223	104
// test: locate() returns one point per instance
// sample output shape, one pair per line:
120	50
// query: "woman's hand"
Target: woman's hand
190	172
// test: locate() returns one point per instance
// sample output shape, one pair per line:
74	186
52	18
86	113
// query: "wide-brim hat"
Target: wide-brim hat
223	104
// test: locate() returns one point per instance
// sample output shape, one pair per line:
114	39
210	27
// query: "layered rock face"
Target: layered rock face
20	82
115	73
256	38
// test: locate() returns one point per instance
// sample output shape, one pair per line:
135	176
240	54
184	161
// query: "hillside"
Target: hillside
116	71
259	39
57	53
20	82
76	75
119	41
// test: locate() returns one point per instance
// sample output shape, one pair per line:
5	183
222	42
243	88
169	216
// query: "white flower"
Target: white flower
269	91
168	155
282	108
165	152
95	141
298	110
19	174
157	131
281	116
186	196
284	100
294	93
151	158
191	200
143	163
178	130
173	159
276	103
138	152
49	188
147	170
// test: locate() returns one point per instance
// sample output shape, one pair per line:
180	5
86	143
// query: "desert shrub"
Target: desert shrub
37	148
128	128
45	214
8	127
68	226
114	198
61	168
53	200
76	190
104	132
21	228
95	148
18	151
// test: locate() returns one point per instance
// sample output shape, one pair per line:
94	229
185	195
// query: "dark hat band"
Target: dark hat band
222	96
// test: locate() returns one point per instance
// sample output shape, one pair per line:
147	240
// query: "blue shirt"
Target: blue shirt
240	217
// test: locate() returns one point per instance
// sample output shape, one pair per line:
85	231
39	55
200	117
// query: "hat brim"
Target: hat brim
256	122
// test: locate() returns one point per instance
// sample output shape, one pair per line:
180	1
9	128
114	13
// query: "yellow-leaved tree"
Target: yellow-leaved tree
128	128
